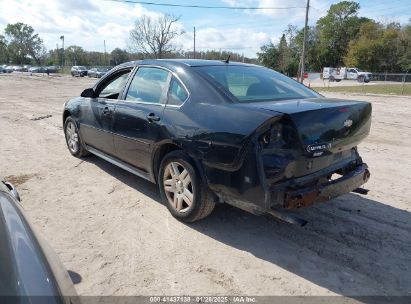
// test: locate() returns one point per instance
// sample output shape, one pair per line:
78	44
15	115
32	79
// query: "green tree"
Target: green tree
269	56
118	56
283	57
336	30
23	43
4	55
377	48
75	55
404	60
313	59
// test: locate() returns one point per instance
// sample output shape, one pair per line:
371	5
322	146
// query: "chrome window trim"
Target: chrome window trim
164	104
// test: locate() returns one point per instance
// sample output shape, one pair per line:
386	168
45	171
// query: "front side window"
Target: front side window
113	88
148	85
254	84
177	94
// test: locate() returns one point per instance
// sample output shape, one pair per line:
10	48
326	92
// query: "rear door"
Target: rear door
137	120
96	116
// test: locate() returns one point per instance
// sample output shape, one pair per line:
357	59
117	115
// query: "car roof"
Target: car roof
184	62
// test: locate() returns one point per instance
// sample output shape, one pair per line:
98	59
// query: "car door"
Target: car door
352	74
96	116
137	119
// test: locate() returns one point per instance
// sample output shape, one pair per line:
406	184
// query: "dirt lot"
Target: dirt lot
109	226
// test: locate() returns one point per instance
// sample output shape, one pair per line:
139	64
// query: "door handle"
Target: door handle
106	111
153	117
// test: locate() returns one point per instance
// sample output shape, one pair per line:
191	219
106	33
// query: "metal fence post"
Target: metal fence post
403	83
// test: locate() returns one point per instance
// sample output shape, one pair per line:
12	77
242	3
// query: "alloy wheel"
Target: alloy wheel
72	137
178	187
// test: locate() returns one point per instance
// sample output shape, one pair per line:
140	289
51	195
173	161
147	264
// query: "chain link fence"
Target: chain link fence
380	83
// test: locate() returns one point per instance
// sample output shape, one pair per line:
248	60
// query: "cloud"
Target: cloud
240	40
291	14
82	22
88	23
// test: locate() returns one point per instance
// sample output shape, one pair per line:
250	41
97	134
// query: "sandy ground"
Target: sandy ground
109	226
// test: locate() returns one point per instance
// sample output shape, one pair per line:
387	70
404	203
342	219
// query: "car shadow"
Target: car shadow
352	246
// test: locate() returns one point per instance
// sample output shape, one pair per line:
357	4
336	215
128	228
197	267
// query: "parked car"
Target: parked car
338	74
28	266
52	69
209	131
9	69
17	68
26	68
2	70
97	72
79	71
37	69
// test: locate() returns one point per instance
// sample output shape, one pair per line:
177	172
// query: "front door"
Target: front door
137	122
96	117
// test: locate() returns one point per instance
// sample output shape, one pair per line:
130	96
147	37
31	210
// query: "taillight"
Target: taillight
272	136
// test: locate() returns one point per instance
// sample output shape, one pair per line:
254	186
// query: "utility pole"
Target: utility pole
194	56
105	58
62	38
57	54
304	43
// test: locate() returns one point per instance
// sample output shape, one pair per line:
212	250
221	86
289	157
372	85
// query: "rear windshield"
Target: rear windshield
254	84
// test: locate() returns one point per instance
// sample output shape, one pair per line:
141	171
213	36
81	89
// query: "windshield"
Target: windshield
254	84
82	68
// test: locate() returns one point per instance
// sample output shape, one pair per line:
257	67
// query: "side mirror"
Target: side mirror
88	93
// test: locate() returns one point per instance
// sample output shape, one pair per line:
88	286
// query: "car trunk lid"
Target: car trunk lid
324	123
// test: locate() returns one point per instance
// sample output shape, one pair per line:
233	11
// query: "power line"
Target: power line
208	7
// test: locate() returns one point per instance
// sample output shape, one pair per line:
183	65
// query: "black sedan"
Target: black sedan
30	272
211	131
97	72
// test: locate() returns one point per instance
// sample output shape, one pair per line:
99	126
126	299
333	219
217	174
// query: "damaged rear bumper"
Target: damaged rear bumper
304	197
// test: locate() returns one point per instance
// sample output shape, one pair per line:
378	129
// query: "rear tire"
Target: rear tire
182	190
73	140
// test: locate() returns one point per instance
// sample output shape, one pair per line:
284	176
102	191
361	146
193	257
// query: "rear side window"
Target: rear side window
148	85
254	84
177	93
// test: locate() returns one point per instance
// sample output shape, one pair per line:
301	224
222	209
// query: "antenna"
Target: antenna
228	59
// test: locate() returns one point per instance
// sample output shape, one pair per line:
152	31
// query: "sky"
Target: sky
88	23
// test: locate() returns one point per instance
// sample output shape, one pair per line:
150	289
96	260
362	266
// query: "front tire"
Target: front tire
73	140
186	196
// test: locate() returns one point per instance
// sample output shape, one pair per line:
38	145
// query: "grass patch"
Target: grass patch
388	89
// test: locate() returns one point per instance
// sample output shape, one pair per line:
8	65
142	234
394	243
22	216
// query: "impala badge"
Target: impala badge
348	123
319	147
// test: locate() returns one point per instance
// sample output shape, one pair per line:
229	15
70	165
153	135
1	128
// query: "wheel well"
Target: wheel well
159	155
65	115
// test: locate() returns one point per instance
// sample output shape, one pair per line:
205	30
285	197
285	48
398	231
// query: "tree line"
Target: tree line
21	45
342	38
